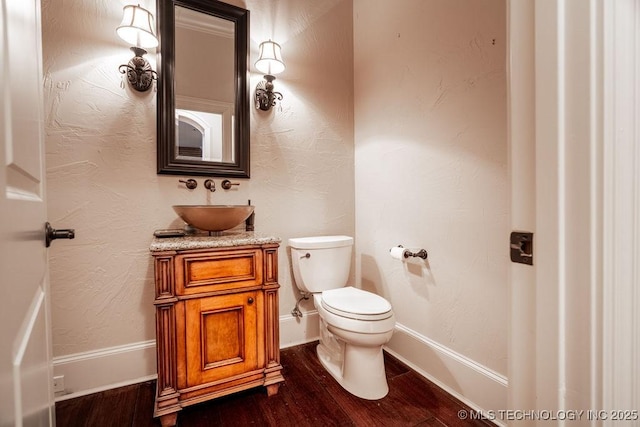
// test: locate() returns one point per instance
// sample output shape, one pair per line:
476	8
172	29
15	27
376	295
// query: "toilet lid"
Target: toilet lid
355	303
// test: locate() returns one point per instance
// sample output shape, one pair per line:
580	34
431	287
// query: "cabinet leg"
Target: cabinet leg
273	389
169	420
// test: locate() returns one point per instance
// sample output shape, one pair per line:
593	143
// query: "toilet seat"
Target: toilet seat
354	303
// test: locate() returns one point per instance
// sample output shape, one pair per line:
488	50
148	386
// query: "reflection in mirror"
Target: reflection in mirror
204	113
203	98
214	120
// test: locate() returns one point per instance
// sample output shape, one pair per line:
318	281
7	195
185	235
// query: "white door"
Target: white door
575	342
26	393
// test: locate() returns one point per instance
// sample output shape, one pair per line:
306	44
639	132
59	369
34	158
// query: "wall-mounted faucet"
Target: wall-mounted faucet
190	183
210	185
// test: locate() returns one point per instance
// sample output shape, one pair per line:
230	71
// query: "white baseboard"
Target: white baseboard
472	383
299	330
99	370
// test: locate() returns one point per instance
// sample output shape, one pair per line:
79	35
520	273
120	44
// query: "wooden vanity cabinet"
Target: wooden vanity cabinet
216	324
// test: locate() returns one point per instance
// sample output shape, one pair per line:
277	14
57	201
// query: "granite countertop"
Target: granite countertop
204	241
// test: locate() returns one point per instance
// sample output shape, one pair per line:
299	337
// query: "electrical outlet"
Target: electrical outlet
58	383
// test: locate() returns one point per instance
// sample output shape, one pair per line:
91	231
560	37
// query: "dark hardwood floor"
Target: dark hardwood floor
308	397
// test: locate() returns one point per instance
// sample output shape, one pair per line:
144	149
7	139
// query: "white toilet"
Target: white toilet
354	324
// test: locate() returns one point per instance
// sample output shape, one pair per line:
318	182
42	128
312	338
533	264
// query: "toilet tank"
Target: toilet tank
321	263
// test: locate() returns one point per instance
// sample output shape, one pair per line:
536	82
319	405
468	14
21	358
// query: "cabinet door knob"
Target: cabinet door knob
250	300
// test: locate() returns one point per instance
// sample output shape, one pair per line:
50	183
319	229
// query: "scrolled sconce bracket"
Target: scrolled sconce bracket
265	96
138	71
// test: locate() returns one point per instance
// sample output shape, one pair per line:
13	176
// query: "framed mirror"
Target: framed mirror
203	96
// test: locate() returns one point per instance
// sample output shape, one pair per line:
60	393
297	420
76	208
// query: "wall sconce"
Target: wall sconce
269	63
137	29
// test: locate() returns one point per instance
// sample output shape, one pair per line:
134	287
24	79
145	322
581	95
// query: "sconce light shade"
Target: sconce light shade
270	60
269	63
137	27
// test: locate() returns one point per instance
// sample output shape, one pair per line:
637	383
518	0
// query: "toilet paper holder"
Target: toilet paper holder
420	254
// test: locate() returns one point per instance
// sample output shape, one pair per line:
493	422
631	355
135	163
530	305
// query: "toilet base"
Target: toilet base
360	370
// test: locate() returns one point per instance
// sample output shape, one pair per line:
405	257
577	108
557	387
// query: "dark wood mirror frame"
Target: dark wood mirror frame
167	161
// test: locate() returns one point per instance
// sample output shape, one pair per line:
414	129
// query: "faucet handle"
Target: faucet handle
189	183
226	184
210	185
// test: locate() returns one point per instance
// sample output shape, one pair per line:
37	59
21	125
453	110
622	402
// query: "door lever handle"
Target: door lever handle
51	234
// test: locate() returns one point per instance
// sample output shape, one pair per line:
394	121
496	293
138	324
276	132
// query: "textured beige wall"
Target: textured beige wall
430	162
101	159
431	167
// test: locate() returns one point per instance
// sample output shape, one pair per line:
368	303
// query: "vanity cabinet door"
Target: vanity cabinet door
222	335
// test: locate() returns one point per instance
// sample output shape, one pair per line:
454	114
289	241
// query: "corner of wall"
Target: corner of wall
470	382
